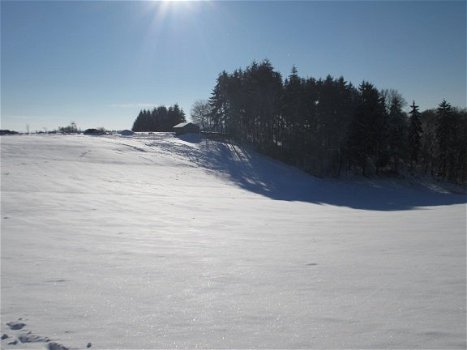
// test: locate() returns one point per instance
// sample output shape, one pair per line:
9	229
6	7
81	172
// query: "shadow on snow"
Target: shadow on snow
276	180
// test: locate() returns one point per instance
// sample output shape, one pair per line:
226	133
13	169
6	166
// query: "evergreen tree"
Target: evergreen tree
414	135
141	122
245	104
368	130
159	119
173	117
451	136
397	132
429	152
219	103
293	115
446	136
461	146
333	115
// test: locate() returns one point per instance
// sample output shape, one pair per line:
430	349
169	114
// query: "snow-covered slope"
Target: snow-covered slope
158	242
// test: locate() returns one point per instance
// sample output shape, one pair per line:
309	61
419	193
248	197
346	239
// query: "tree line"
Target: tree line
329	127
159	119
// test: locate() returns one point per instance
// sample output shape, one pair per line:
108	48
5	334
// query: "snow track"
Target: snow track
160	242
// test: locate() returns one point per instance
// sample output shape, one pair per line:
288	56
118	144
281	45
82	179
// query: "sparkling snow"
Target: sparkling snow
153	241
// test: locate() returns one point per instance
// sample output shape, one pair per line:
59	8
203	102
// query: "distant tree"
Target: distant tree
367	137
451	136
446	134
201	114
8	132
220	103
429	151
246	105
143	122
70	129
396	132
333	116
414	135
175	116
461	146
293	116
159	119
262	110
389	95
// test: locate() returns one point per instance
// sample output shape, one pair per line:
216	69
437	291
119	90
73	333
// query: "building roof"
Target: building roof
182	125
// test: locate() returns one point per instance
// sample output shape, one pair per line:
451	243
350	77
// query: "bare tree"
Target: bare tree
201	114
391	95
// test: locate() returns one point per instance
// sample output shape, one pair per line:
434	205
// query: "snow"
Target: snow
154	241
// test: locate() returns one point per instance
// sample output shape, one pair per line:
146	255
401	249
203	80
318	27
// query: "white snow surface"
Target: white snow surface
154	241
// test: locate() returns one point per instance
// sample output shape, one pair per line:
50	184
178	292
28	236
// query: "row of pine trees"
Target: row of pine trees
328	127
159	119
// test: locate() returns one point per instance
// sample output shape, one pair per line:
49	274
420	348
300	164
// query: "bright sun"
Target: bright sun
174	5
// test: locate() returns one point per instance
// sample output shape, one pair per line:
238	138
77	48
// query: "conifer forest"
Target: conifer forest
327	127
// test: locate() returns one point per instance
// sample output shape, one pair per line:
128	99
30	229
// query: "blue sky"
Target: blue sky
99	62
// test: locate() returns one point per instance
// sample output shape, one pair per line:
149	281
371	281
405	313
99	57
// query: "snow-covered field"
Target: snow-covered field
158	242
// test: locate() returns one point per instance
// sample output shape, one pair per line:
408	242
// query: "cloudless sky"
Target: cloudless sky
99	62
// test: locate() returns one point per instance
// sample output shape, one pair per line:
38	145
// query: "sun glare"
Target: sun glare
166	7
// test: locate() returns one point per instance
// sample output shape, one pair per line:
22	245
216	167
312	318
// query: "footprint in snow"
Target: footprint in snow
56	346
32	338
16	325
